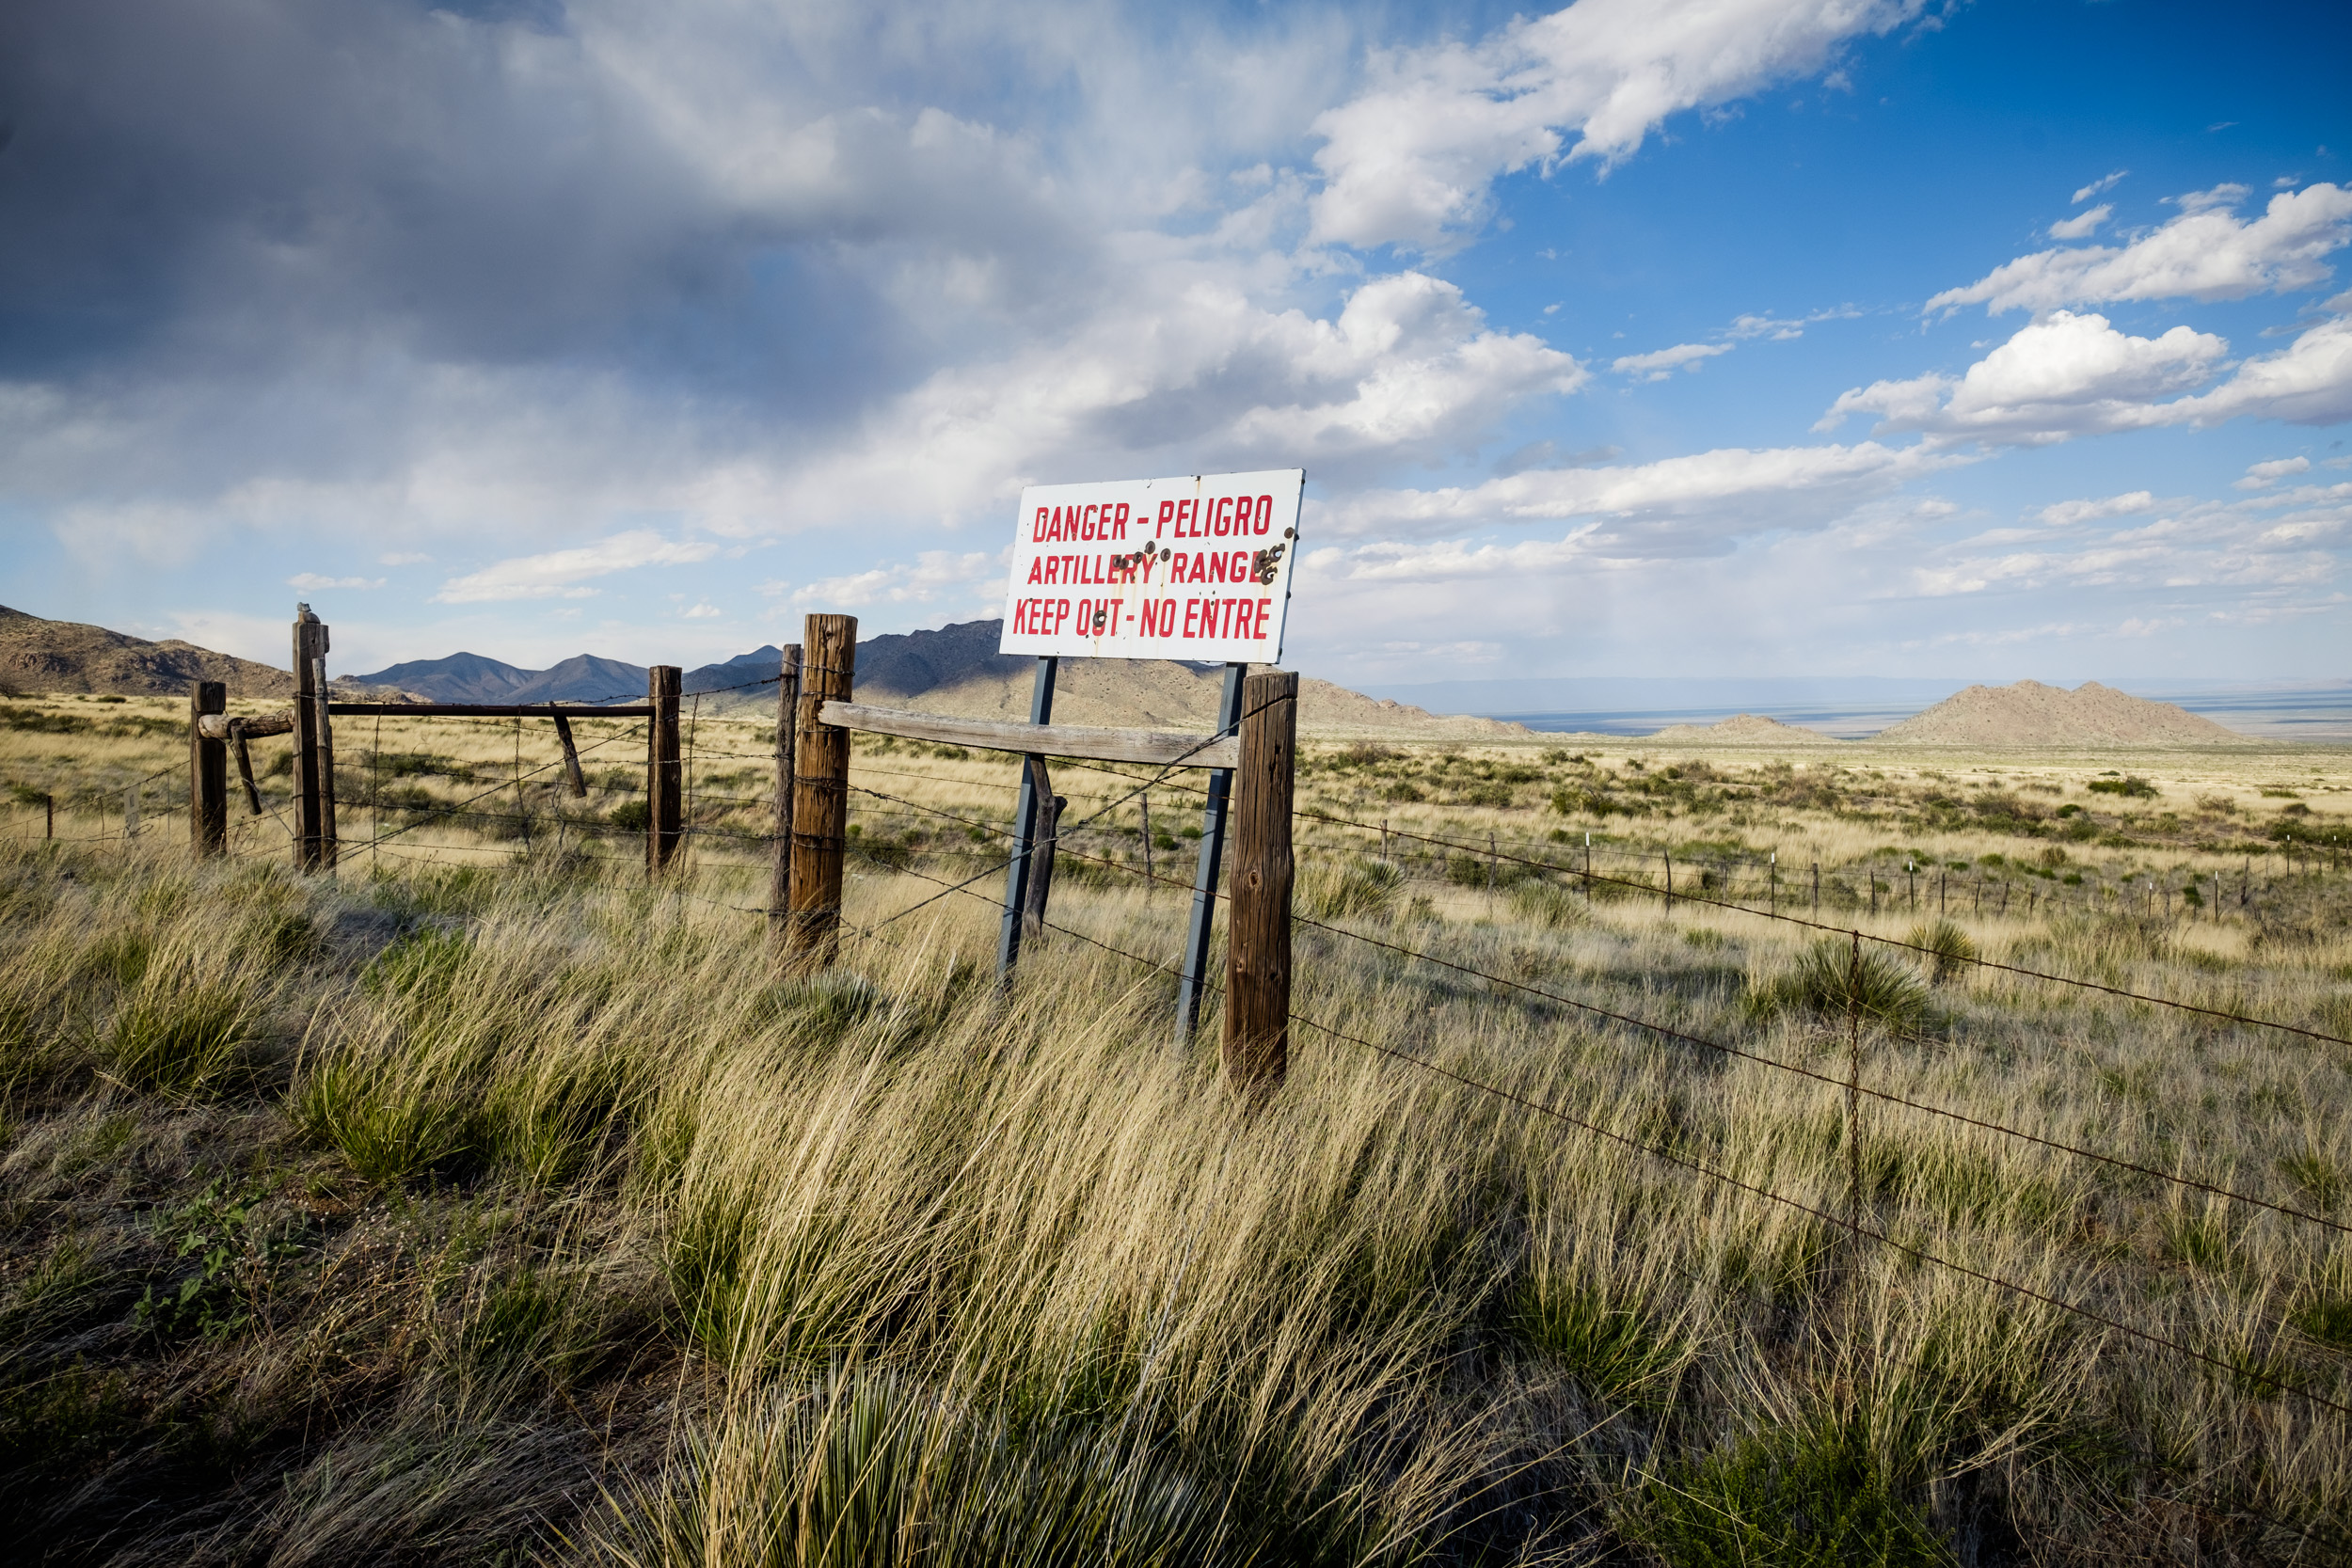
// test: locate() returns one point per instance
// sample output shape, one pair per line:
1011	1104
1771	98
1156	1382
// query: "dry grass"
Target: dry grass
449	1210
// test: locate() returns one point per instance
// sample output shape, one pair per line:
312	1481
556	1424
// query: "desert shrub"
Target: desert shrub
1344	889
632	816
1831	979
1948	949
1402	792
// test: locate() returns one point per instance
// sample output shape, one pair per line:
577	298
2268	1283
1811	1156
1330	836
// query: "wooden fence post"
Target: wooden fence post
314	748
572	775
1044	840
820	790
665	820
780	870
1258	945
208	772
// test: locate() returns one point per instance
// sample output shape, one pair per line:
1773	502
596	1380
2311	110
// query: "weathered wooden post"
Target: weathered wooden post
1258	944
1043	841
780	869
665	821
314	748
572	775
208	772
820	790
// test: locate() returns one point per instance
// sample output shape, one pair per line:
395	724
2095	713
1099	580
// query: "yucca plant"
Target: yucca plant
1831	979
1948	949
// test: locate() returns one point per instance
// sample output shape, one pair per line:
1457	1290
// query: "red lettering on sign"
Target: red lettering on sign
1061	613
1118	522
1168	516
1086	525
1217	567
1264	515
1265	607
1037	565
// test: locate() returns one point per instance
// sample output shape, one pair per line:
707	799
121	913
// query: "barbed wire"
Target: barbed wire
1853	1226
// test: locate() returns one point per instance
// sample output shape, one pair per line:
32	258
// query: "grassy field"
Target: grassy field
483	1204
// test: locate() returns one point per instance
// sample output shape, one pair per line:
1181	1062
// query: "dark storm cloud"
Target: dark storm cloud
231	190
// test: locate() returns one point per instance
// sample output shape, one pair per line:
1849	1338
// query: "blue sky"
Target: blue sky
1753	337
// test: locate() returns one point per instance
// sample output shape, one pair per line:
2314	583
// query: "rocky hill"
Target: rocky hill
2032	714
66	656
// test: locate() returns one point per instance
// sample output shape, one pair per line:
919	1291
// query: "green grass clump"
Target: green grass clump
1831	981
182	1039
1796	1494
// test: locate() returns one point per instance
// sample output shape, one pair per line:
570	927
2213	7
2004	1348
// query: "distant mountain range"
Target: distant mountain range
899	665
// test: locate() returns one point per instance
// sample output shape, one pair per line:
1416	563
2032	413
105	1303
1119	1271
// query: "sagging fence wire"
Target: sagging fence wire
1851	1226
1488	851
1685	1037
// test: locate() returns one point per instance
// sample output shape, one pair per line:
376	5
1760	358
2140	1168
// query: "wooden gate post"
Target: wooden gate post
780	869
314	748
820	790
208	772
1258	945
666	822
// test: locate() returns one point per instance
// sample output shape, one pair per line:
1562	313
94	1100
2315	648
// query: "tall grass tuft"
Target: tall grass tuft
1345	889
1830	980
178	1036
872	1470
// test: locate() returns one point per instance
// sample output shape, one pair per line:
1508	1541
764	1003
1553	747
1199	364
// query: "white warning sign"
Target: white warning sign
1197	568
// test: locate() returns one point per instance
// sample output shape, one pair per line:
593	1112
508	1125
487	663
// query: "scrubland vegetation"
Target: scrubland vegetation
482	1204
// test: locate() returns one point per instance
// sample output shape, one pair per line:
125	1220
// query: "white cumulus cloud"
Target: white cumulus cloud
2064	375
559	574
312	580
2204	254
1409	161
2260	476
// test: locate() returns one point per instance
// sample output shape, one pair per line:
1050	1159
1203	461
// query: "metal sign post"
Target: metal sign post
1196	567
1212	858
1023	826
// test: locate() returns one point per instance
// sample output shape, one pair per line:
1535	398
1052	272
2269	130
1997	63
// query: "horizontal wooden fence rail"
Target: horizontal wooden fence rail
492	710
1168	747
221	726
